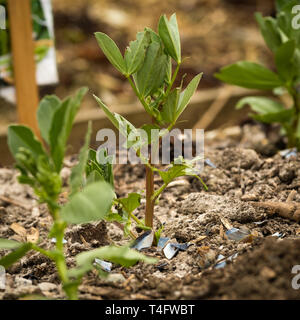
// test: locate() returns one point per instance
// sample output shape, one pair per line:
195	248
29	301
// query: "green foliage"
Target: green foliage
135	53
284	42
119	255
78	171
9	244
111	51
147	65
91	204
99	167
249	75
169	33
90	199
16	255
61	126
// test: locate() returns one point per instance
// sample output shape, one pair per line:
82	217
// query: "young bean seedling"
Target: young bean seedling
284	42
89	200
147	65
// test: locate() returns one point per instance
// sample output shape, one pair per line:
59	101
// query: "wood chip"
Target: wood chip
199	239
126	282
226	223
33	235
291	196
15	202
21	231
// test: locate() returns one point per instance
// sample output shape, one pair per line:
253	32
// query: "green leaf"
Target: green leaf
22	137
119	255
282	116
100	167
180	167
62	125
135	53
249	75
45	113
77	174
111	51
168	32
130	203
9	244
123	125
105	162
284	56
153	72
91	204
94	176
16	255
285	21
269	30
280	4
169	109
187	94
260	105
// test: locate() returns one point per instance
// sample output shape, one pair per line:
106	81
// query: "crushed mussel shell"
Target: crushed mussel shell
53	240
236	234
209	163
221	260
171	249
278	235
287	153
162	266
106	266
162	242
144	241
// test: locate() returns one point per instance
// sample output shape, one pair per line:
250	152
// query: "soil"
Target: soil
263	259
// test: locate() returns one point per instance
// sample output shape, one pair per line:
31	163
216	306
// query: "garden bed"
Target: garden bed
261	268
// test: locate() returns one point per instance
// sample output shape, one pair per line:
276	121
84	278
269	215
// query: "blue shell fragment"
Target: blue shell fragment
162	242
143	241
209	163
287	153
171	249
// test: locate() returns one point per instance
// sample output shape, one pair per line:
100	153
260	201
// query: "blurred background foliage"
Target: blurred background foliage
214	33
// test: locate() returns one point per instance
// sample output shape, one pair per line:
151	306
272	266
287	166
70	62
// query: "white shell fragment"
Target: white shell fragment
172	248
222	260
170	251
53	240
209	163
287	153
236	234
143	241
161	243
106	266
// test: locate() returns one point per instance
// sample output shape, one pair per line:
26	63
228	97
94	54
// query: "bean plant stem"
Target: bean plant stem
60	259
173	79
149	201
142	100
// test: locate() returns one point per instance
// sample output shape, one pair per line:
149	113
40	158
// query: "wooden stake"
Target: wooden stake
23	62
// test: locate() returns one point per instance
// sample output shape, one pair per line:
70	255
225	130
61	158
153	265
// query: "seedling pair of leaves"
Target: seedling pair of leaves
90	198
284	42
147	65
